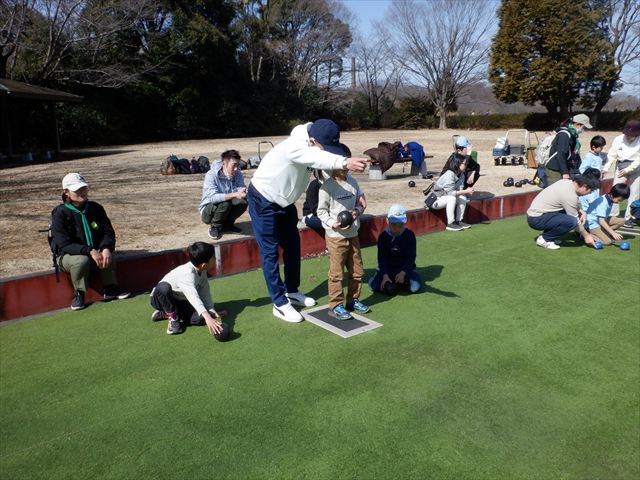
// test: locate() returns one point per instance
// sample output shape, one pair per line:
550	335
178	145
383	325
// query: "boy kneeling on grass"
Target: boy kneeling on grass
396	256
184	293
600	223
337	194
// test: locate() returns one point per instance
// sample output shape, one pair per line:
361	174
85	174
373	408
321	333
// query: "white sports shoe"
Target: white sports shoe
301	299
287	313
541	242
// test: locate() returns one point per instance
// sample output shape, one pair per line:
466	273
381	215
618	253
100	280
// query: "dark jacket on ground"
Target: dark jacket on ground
68	233
566	158
396	254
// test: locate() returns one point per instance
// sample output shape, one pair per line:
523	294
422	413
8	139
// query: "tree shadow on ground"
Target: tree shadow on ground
16	160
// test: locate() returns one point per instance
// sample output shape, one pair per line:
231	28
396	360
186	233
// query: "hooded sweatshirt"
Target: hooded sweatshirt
283	174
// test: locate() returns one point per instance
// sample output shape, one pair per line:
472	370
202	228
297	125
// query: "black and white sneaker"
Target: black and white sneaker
215	233
174	327
112	292
454	227
158	315
77	303
464	225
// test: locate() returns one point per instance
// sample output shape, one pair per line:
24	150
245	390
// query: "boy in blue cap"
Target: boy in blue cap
396	256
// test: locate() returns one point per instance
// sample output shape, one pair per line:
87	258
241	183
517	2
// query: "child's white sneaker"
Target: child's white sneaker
301	299
287	313
541	242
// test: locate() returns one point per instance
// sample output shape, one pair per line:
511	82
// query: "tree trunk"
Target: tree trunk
443	119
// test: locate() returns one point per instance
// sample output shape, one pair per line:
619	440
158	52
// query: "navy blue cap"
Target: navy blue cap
327	134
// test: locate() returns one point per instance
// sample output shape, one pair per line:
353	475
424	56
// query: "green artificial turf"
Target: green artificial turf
513	362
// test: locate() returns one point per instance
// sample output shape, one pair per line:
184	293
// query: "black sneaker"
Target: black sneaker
628	224
78	300
174	327
233	228
112	292
454	227
215	233
464	225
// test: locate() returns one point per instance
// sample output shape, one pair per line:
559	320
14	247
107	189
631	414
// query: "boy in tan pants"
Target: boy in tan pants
339	193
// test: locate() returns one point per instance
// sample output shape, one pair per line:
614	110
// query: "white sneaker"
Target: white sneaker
287	313
301	299
541	242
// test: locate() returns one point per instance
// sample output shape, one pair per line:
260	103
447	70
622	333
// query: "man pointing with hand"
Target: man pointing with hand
280	180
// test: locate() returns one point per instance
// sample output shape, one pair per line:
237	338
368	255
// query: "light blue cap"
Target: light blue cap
397	214
462	142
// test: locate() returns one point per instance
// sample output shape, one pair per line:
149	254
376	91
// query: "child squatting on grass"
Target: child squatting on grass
183	294
83	240
396	256
337	194
600	223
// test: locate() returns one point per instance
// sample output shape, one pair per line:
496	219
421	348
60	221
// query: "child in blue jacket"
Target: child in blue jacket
396	256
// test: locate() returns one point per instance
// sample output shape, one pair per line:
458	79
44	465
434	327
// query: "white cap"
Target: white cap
73	182
583	119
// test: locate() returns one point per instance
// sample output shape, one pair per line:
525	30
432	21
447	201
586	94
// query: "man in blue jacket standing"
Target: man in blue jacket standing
278	182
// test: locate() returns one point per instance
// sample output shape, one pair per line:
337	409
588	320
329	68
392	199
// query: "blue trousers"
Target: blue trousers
412	281
275	226
553	224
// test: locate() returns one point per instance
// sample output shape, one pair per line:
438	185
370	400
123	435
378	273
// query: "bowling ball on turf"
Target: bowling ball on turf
390	288
225	334
412	184
597	245
345	218
624	246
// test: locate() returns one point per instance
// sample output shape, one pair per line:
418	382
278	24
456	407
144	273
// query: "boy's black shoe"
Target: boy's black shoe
112	292
78	300
233	228
215	233
174	327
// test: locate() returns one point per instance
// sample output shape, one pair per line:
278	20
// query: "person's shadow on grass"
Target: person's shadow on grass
429	274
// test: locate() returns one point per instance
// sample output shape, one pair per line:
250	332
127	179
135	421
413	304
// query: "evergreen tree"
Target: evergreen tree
549	51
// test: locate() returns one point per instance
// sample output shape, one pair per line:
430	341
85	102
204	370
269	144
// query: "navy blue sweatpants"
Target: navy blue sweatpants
275	226
553	224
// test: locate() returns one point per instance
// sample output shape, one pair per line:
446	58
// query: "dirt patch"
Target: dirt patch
151	212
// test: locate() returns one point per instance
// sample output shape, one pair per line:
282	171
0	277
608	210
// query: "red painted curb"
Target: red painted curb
37	293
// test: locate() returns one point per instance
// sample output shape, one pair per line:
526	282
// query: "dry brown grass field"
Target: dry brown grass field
151	212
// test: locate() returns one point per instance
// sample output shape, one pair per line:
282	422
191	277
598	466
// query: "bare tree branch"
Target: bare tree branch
445	45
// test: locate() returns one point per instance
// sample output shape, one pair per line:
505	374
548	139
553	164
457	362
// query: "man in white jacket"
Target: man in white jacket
281	178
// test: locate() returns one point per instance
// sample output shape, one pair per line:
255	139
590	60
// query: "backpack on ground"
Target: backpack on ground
194	166
205	166
167	167
543	150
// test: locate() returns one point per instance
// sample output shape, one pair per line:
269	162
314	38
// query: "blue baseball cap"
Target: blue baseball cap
397	214
327	134
462	142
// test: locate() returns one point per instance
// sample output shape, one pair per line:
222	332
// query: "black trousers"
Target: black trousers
163	299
